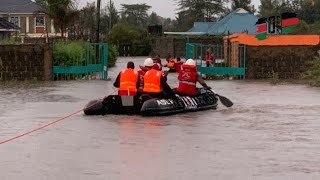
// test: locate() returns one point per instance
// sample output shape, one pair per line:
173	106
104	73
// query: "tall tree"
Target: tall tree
109	17
135	14
191	11
245	4
59	10
88	20
153	18
276	7
98	20
310	10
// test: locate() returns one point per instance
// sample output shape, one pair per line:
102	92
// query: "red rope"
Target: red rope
41	127
46	125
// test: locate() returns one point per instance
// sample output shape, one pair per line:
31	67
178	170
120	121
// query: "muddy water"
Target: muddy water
272	132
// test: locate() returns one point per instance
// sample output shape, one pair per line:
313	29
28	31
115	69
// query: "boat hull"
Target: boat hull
145	106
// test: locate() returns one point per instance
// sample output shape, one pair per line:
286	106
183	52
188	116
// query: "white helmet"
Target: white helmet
190	62
148	62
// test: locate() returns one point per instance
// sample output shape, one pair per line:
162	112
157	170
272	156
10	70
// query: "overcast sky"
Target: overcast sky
164	8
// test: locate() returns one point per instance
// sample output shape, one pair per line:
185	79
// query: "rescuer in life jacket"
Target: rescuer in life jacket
148	63
178	64
155	85
188	77
157	59
127	81
170	64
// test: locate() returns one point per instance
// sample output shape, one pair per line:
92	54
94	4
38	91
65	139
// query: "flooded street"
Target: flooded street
271	133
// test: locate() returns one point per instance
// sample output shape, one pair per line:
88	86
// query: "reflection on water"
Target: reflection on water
272	132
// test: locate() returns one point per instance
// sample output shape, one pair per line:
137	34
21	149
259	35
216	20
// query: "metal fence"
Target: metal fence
228	59
91	64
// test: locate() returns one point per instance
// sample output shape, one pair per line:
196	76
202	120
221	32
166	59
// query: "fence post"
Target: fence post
47	63
105	61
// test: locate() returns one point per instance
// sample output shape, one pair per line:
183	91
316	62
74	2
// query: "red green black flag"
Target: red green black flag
261	26
289	21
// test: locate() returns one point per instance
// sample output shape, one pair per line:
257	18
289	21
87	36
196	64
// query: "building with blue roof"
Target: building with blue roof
238	21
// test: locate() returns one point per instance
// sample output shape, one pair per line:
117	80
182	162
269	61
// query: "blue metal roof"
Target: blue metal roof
237	21
201	26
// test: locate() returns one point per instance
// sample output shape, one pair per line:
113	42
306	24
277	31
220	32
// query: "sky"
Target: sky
164	8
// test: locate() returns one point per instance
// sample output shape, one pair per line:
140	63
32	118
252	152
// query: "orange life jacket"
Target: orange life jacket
152	82
128	81
188	79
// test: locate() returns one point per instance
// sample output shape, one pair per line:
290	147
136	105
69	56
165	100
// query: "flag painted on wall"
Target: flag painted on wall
261	26
288	23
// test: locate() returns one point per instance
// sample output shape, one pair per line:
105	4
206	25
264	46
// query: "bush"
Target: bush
131	40
312	76
74	53
112	55
69	53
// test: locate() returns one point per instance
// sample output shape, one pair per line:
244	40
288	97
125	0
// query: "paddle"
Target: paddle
225	101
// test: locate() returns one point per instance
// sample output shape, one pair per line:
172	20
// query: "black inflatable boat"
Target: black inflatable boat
143	105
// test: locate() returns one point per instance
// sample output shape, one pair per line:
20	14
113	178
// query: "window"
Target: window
40	21
14	20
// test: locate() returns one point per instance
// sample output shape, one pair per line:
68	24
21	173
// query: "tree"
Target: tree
153	18
245	4
135	14
60	11
310	10
87	20
191	11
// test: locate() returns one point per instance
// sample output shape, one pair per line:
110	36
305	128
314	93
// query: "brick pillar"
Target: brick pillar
47	63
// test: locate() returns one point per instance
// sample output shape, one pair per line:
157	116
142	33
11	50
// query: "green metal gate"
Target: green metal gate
94	62
228	59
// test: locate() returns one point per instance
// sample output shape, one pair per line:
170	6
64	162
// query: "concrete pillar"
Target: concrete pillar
52	26
27	25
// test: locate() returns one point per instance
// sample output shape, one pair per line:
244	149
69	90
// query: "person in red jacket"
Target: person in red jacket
188	77
158	60
148	63
178	64
127	81
209	58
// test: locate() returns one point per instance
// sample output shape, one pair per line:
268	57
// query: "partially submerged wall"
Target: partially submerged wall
286	55
288	61
25	62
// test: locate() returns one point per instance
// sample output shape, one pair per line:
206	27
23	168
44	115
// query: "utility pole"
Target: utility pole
110	16
98	21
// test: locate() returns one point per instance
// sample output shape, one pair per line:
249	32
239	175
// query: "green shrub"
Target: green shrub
69	53
112	55
10	41
312	76
136	38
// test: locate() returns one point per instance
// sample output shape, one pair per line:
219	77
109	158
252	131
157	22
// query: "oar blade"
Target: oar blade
225	101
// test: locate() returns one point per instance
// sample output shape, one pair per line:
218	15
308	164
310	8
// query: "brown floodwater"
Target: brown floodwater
271	133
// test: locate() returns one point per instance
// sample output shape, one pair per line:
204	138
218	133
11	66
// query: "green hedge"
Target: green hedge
74	53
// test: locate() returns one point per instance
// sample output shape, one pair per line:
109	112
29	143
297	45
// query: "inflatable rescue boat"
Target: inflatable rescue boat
146	106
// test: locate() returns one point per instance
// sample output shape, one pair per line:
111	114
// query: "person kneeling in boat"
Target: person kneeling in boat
155	84
188	78
170	64
148	63
178	64
127	81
